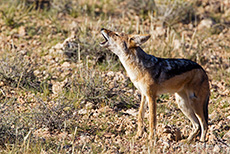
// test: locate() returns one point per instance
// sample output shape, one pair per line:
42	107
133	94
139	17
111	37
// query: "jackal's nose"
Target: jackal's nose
102	29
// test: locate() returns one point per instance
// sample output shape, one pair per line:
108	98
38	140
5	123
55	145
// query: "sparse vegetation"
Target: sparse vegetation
61	93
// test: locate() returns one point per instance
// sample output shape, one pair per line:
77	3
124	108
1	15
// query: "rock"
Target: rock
177	44
84	138
205	23
228	70
1	83
58	46
96	113
65	65
37	72
216	149
82	111
160	31
227	136
212	138
228	117
108	135
166	145
67	108
170	137
57	49
22	31
132	112
89	105
178	135
23	52
213	116
48	57
57	88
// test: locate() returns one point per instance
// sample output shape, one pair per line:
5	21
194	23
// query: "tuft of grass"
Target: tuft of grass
173	12
13	16
88	85
18	131
17	71
141	8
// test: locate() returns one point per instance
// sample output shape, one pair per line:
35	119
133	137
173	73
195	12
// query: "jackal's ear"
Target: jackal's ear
137	40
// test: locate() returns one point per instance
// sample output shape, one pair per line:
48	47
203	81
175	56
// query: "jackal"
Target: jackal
153	76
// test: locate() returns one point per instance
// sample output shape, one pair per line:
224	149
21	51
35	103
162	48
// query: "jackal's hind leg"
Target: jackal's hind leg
198	108
204	126
141	116
183	104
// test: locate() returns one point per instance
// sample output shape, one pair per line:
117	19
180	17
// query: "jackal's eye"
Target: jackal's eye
116	34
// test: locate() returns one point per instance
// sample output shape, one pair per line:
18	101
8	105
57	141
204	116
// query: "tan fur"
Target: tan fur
191	87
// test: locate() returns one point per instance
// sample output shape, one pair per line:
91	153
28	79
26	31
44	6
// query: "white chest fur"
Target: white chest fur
132	72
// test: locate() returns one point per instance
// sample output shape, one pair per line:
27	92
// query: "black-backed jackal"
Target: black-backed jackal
153	76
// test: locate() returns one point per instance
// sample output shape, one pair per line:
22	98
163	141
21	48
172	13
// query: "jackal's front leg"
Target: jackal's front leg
141	116
152	115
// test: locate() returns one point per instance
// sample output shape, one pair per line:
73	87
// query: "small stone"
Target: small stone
82	111
216	149
22	31
177	135
1	83
228	70
166	145
227	136
66	65
170	137
228	117
58	46
160	31
57	88
36	72
89	105
205	23
108	135
84	138
23	52
132	112
67	108
212	138
177	44
213	116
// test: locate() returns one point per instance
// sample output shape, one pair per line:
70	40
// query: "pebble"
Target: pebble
205	23
216	149
82	111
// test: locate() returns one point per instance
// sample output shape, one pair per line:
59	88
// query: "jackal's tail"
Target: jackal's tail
206	109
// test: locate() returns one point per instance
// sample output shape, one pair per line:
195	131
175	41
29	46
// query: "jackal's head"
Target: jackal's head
121	43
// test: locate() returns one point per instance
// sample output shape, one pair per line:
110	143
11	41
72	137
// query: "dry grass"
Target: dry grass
71	96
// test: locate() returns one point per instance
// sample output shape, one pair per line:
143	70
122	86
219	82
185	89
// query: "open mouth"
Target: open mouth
105	37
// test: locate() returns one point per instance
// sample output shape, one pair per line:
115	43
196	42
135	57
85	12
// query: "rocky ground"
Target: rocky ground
61	93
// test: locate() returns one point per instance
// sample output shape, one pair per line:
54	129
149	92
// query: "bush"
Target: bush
17	71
